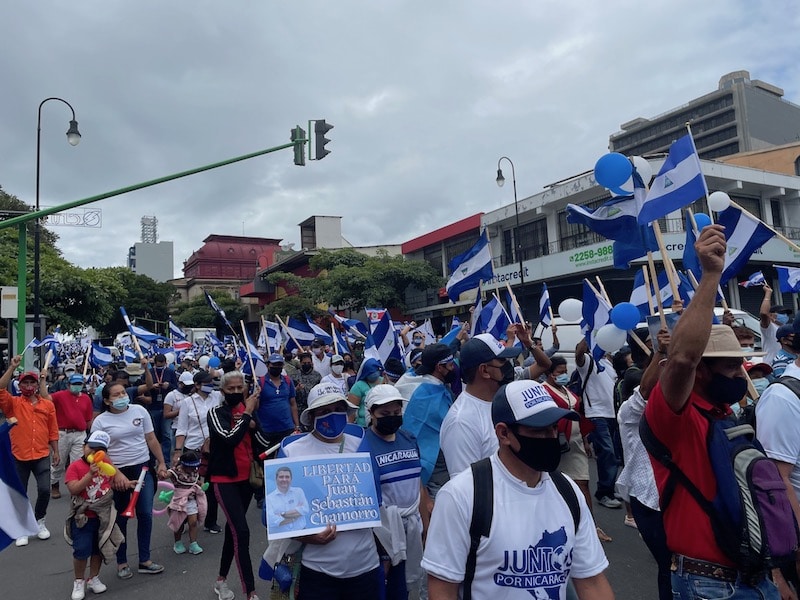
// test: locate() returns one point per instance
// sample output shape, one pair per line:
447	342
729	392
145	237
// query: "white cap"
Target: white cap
321	394
99	439
186	378
382	394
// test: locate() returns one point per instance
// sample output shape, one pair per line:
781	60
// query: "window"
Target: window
797	166
777	215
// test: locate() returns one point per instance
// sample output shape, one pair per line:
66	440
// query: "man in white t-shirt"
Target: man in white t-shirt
287	506
534	545
598	405
321	361
771	316
467	433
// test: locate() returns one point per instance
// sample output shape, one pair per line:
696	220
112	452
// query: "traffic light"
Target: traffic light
320	129
298	136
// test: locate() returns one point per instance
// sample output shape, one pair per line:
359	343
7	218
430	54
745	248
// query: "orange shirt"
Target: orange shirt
36	425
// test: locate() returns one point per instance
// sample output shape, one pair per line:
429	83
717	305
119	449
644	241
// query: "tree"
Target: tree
350	279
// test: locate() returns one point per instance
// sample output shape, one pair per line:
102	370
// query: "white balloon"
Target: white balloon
610	337
643	168
571	310
170	357
718	201
203	361
626	189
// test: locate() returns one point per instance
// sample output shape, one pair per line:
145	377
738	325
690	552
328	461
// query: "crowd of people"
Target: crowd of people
481	451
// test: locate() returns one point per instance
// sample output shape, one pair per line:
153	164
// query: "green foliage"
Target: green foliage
197	312
349	279
292	306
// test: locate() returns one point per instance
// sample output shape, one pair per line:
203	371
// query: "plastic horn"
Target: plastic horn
266	453
128	512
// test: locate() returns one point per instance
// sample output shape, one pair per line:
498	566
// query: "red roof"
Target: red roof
443	233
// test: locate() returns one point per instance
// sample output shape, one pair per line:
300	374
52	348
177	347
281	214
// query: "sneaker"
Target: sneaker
22	541
194	548
77	590
213	528
222	590
609	502
97	586
44	533
55	493
125	572
179	548
151	569
252	596
630	522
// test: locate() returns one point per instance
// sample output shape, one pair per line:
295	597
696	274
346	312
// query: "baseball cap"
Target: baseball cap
382	394
321	394
186	378
317	343
784	331
275	358
765	367
336	359
779	308
76	378
433	355
188	356
98	440
485	347
527	403
723	343
29	375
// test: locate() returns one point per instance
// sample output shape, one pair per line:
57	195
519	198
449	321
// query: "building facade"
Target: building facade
155	259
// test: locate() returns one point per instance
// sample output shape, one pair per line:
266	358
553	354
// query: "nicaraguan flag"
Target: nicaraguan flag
16	518
476	316
788	278
615	219
100	356
300	331
384	339
470	268
596	313
757	279
258	360
640	239
356	330
426	329
221	313
274	335
744	234
690	260
217	347
341	341
319	332
544	306
140	332
493	319
679	182
176	332
512	308
129	354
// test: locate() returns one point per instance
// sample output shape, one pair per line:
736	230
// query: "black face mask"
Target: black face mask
726	390
275	371
186	389
234	399
348	365
306	368
540	454
389	424
450	377
508	373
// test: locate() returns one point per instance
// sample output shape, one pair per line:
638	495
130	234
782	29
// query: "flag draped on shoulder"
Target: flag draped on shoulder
788	278
545	307
16	519
744	235
679	182
755	280
470	268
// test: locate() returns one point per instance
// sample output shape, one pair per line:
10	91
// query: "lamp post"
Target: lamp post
517	243
74	138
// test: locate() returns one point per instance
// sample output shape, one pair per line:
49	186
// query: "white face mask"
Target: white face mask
337	369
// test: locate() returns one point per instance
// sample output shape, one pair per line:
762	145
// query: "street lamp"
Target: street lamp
517	242
74	138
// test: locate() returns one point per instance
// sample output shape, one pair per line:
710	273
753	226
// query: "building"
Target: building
151	257
742	115
780	159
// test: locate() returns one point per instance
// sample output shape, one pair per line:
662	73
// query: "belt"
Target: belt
65	430
684	564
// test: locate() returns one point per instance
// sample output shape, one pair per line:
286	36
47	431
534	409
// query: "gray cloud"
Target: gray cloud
425	97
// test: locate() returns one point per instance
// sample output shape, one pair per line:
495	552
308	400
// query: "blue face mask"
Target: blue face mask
782	319
760	383
562	379
330	426
207	389
121	403
76	389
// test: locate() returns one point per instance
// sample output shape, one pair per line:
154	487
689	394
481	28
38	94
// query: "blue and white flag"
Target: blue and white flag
342	342
744	234
274	336
596	313
493	319
679	182
47	340
300	331
426	329
690	260
319	331
176	332
100	356
545	307
788	278
455	323
16	519
217	347
613	220
140	332
757	279
383	340
470	268
512	308
258	360
476	316
129	354
355	329
221	313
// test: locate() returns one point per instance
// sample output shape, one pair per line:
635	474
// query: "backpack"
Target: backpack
483	510
751	517
748	413
576	385
620	394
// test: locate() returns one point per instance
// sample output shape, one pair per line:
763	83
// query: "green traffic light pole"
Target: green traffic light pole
22	220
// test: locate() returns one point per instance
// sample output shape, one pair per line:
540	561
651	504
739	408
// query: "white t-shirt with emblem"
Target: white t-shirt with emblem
532	548
126	430
467	433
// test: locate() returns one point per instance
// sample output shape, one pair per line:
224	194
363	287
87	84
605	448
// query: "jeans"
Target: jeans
167	439
651	527
40	468
144	514
695	587
396	588
602	439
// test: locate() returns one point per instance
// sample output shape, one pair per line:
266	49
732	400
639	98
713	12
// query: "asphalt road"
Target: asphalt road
43	569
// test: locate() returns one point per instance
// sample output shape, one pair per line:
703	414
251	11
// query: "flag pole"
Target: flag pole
335	340
86	362
656	289
289	333
603	289
503	308
266	333
247	349
646	275
669	267
516	304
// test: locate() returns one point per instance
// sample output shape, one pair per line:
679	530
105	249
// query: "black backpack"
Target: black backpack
576	385
747	416
483	510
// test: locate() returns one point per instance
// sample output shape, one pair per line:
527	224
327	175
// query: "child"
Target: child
90	528
188	503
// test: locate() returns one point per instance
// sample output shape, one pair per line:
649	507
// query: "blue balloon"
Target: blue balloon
612	170
213	362
625	315
702	220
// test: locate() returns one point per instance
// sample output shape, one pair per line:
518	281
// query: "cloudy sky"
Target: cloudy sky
425	97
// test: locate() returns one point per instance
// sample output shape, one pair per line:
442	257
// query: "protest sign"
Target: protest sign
305	494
